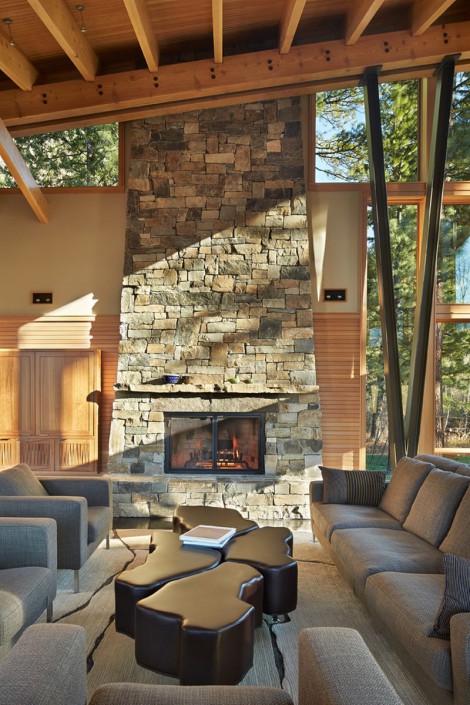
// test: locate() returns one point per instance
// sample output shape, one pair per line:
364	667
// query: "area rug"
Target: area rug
324	600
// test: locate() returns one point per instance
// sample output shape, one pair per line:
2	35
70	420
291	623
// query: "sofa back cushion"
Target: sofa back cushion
435	505
446	464
402	489
20	481
457	540
352	486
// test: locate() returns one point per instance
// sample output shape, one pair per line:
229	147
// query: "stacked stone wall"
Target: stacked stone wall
217	288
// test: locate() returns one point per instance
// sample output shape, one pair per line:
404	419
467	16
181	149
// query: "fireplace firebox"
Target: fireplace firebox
214	443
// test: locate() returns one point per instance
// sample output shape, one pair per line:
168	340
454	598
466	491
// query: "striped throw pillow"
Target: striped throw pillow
352	486
456	594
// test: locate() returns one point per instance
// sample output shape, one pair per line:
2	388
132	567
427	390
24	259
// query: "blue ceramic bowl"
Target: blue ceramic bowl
172	379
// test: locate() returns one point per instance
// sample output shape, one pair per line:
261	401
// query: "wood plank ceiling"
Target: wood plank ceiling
65	64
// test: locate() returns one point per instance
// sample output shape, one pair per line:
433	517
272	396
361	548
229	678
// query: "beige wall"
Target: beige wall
78	253
336	226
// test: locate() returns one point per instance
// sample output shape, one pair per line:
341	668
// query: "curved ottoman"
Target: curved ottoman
201	629
169	561
269	550
187	517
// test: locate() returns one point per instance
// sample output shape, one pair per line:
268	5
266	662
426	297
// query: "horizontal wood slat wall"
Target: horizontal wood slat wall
338	361
16	332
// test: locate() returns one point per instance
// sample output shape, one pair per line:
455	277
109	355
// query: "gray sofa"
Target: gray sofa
392	554
81	507
28	575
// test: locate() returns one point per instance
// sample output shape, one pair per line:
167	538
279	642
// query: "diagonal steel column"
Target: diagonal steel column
384	265
428	254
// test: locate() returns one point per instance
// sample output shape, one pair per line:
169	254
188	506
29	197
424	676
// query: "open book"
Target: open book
206	535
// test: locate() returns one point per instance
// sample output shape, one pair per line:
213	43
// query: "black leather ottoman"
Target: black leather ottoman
186	518
169	561
269	550
200	629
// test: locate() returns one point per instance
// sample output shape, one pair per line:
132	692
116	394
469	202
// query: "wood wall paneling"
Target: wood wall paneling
338	363
28	333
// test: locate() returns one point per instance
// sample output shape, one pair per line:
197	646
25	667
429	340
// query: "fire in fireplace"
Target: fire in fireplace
214	443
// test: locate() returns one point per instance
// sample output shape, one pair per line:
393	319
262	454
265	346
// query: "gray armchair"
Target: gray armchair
81	507
46	667
28	574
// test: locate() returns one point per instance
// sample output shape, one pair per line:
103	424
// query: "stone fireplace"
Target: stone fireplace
217	290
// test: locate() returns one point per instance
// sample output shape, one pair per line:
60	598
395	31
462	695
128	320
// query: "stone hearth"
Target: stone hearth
217	288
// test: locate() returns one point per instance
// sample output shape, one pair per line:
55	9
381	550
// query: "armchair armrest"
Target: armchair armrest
71	516
316	490
460	650
96	490
28	542
142	694
47	666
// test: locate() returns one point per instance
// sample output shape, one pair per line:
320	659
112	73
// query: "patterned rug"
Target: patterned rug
324	600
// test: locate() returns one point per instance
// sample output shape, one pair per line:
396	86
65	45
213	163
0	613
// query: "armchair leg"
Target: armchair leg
107	540
49	611
76	581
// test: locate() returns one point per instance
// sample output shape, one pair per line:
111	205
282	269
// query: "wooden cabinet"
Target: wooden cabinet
49	409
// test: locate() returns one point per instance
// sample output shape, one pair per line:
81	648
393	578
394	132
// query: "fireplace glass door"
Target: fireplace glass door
214	443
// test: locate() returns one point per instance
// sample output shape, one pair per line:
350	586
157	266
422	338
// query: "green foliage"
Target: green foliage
453	384
85	156
403	229
341	141
458	149
453	266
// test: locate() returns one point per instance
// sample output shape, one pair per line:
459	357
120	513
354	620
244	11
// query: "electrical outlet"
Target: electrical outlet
42	298
334	294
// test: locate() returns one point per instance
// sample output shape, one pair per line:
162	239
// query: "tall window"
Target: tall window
340	160
340	134
85	156
403	221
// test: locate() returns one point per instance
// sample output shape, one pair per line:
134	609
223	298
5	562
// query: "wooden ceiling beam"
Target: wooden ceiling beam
360	15
62	25
266	71
22	175
289	24
140	18
16	66
218	30
425	12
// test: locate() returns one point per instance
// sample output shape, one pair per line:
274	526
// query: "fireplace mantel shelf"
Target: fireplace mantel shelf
237	389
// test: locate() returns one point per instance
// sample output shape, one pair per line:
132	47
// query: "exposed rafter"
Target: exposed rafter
218	30
22	175
61	24
16	66
289	24
360	14
184	84
140	19
425	12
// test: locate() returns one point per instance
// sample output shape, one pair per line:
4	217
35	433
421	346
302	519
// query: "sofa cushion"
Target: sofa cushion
23	598
457	540
352	486
403	487
363	553
446	464
456	597
330	517
435	505
20	481
406	605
